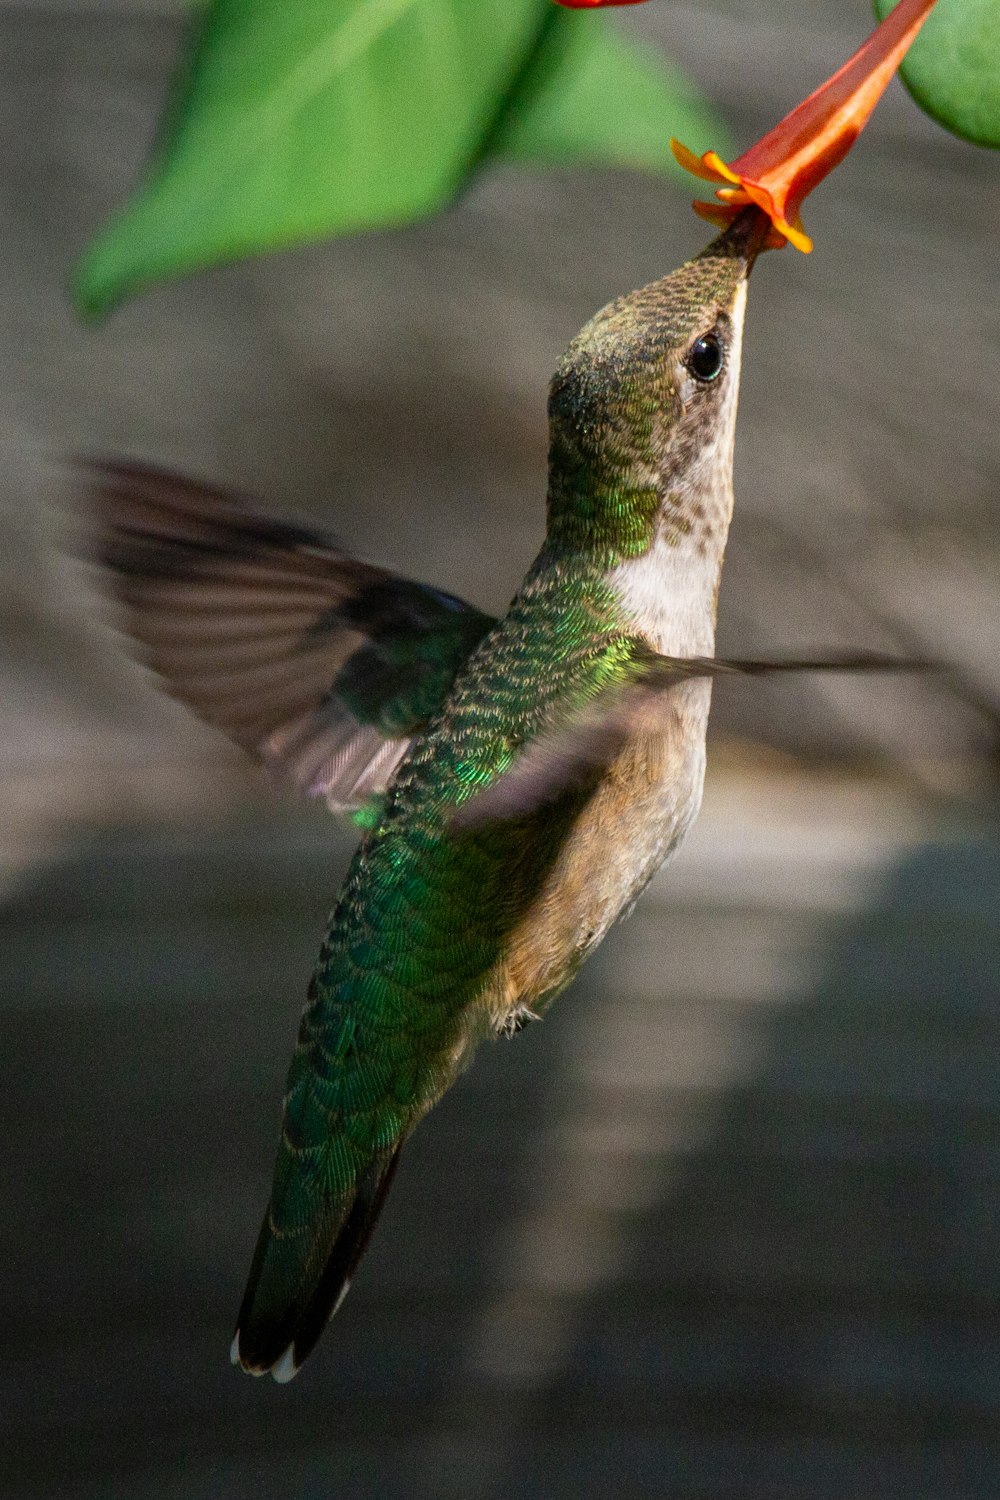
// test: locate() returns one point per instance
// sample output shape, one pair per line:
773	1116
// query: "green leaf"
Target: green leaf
953	68
592	96
292	120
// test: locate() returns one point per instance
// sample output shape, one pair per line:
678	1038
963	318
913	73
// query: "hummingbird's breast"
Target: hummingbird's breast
633	822
644	806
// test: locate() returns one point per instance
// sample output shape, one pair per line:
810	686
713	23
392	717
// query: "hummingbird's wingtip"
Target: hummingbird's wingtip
234	1349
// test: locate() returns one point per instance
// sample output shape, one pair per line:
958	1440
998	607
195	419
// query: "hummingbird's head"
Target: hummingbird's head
642	408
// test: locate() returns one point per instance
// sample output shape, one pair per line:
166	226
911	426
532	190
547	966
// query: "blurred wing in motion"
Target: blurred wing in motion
322	666
589	738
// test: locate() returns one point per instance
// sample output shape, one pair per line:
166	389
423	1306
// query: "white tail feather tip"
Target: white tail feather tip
342	1294
286	1367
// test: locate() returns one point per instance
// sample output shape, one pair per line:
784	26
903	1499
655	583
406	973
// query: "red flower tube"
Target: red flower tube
782	169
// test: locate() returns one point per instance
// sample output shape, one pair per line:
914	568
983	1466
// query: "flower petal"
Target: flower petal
784	166
698	166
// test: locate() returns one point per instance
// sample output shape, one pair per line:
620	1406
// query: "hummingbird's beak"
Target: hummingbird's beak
746	236
779	172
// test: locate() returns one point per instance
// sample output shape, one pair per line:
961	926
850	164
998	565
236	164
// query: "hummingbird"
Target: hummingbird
486	874
519	780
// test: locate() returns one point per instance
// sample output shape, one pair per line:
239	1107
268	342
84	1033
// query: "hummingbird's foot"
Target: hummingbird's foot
516	1021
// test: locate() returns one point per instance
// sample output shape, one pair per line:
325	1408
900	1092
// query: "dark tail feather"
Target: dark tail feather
280	1339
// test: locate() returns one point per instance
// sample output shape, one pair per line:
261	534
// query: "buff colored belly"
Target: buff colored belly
634	821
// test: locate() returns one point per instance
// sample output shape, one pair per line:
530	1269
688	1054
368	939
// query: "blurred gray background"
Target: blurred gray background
726	1224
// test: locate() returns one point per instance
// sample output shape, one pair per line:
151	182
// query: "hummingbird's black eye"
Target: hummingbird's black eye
706	357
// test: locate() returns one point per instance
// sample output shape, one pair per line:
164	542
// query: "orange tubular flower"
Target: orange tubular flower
782	169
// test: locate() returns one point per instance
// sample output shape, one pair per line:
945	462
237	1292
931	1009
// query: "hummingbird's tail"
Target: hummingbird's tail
297	1283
